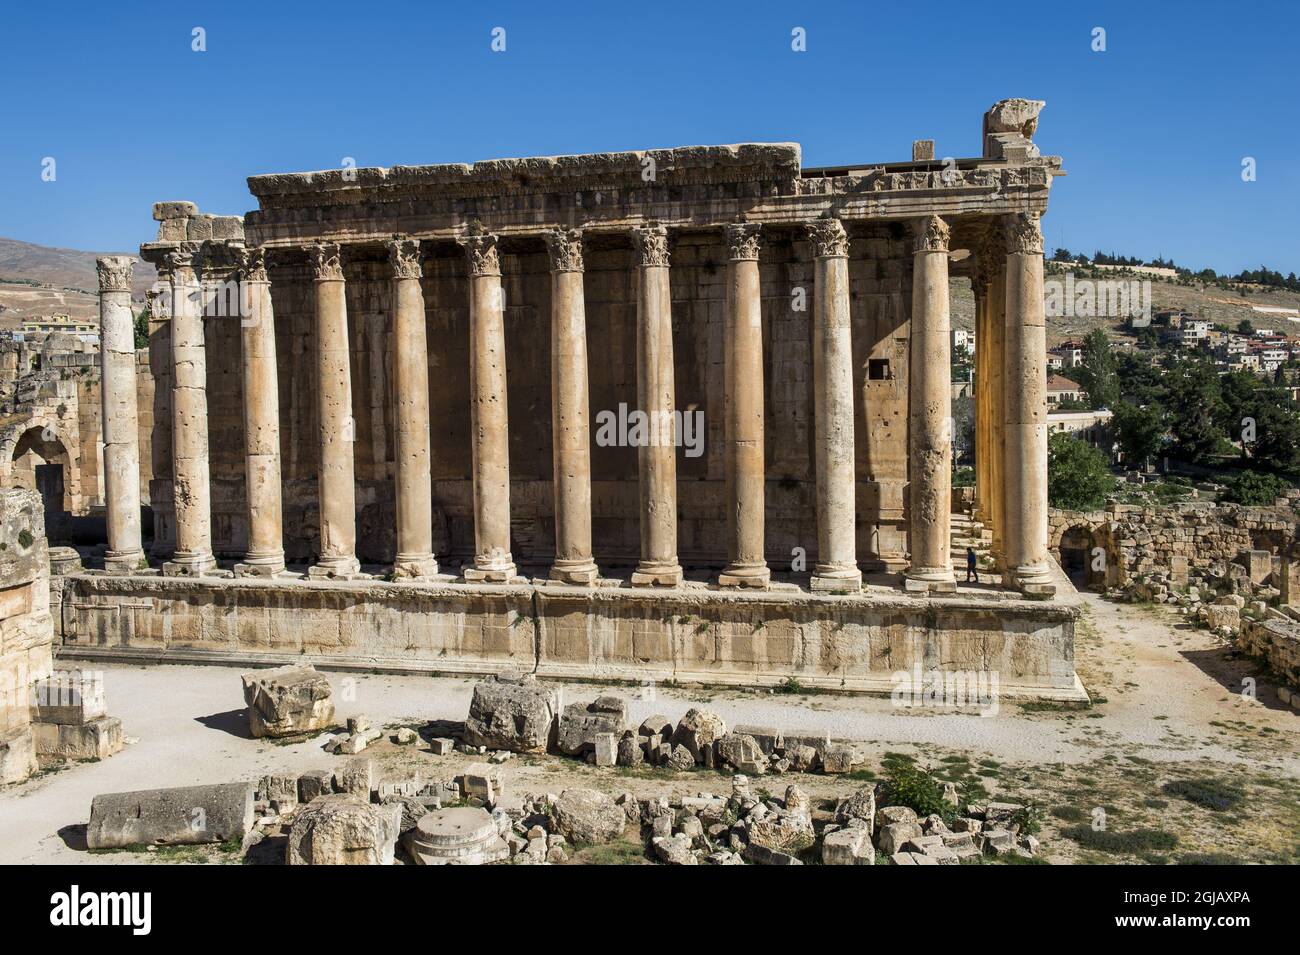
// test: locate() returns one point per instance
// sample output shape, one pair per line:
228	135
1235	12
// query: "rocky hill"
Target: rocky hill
37	280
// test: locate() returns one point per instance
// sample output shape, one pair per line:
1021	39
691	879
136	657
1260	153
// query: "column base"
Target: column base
189	565
753	576
335	568
497	573
934	580
836	580
580	573
657	574
260	565
415	567
123	564
1034	581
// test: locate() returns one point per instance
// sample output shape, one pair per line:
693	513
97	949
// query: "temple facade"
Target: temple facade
625	384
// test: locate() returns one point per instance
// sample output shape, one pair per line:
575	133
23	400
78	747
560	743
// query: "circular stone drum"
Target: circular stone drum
463	835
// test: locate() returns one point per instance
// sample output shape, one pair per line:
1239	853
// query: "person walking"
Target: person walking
971	569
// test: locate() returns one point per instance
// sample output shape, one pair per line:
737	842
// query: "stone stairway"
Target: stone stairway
968	532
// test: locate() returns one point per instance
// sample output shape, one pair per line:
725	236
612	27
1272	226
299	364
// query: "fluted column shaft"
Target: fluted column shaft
570	433
489	418
996	419
265	556
121	416
657	454
743	461
1025	368
836	569
190	468
410	358
336	486
930	413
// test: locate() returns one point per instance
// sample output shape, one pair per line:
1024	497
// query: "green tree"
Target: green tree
1255	489
1245	327
1196	410
142	328
1277	436
1098	373
1077	475
1140	431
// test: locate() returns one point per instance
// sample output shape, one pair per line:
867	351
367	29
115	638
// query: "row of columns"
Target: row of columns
1019	432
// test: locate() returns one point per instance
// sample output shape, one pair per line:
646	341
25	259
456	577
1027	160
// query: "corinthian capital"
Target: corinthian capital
650	242
481	251
404	256
179	262
326	261
565	246
1023	234
931	234
114	273
742	241
253	264
828	238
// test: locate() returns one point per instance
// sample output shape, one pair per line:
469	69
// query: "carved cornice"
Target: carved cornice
253	265
404	256
742	241
326	261
1023	234
565	246
931	234
481	252
650	243
114	273
828	238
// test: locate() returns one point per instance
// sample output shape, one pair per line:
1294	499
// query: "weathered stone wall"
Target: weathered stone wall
1145	540
880	274
751	639
26	630
1277	642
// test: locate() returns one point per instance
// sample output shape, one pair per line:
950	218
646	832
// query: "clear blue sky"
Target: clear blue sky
1153	131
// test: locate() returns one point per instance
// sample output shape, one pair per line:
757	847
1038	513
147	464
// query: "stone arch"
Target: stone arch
38	454
1075	547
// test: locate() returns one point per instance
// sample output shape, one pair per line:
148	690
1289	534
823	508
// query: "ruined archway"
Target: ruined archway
1078	559
38	458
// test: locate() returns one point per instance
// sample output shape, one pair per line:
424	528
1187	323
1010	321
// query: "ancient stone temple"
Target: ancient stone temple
681	413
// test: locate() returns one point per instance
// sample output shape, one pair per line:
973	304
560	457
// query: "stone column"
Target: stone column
410	358
929	413
742	350
979	288
657	453
336	487
193	502
570	433
489	419
125	552
265	556
836	570
1028	566
160	444
993	263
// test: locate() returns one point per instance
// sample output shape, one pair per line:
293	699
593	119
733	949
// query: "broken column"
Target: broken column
836	570
183	816
121	423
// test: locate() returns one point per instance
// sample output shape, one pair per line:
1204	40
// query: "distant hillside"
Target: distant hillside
65	281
